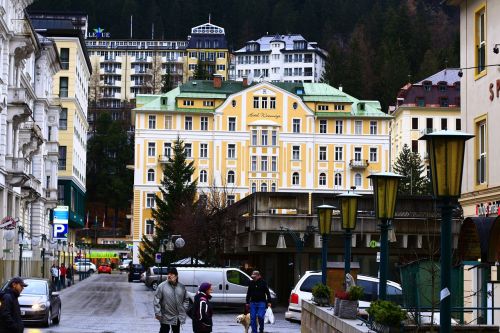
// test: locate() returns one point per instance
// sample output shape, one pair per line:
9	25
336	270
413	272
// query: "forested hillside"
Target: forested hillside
376	46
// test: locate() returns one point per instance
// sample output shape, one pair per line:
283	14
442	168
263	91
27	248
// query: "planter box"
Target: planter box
348	309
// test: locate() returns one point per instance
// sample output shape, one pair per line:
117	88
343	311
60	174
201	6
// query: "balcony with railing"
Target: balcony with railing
163	159
358	164
427	131
111	59
141	59
108	95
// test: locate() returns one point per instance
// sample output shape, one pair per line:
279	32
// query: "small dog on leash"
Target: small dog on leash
244	319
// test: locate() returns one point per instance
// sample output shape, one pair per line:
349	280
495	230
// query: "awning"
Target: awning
479	238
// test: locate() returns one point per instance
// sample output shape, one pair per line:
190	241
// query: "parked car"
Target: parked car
134	272
124	265
303	291
229	284
104	269
84	266
143	277
39	302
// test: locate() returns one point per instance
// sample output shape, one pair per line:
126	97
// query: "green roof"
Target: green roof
201	95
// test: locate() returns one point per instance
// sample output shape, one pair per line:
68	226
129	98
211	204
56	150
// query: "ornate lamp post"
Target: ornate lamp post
168	245
385	190
325	226
349	208
446	155
42	253
20	239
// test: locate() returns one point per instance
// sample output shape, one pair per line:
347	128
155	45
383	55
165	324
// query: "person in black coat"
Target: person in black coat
258	296
10	311
202	309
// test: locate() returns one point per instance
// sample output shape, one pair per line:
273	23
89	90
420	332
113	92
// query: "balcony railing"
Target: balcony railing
163	158
427	131
358	164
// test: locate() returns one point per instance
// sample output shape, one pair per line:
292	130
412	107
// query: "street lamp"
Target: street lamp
385	191
42	254
20	239
446	157
349	207
325	226
299	240
168	245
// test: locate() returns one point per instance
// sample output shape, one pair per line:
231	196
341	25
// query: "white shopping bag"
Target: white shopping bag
269	317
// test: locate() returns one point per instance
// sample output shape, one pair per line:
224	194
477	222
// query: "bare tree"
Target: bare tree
153	81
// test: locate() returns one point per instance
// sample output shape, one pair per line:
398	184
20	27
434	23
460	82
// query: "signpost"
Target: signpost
60	226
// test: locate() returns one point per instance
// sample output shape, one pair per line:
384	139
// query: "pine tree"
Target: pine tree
201	73
177	197
410	166
166	80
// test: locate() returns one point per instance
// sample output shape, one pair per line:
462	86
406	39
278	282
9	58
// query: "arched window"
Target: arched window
230	177
233	103
322	179
357	180
263	187
338	179
151	175
203	176
254	187
295	178
273	187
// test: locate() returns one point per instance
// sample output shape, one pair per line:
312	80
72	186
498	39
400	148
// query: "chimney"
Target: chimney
217	80
245	81
341	88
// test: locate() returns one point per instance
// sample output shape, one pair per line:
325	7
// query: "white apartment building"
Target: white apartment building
29	116
280	58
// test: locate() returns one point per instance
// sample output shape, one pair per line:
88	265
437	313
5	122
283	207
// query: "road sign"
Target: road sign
60	223
158	258
374	244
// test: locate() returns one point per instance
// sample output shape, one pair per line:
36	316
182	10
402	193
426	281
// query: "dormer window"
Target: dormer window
361	106
252	47
442	86
299	45
427	85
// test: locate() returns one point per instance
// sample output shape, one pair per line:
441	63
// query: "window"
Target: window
357	153
373	154
151	122
414	146
62	158
204	123
339	107
273	187
233	103
373	127
263	137
420	101
188	123
295	105
263	163
338	179
254	137
322	126
150	200
427	85
442	86
203	176
274	138
231	151
357	180
322	153
168	122
64	56
263	187
208	103
458	124
255	102
264	102
272	103
444	123
322	107
231	199
338	153
63	119
322	179
232	124
414	123
254	163
296	153
274	163
203	150
151	149
443	102
63	86
188	149
429	125
480	41
188	102
230	177
296	125
167	149
481	146
254	187
339	124
295	178
151	175
358	127
150	227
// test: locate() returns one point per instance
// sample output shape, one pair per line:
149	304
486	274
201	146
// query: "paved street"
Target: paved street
108	303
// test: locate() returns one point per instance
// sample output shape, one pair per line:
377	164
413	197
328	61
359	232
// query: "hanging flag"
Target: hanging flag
103	219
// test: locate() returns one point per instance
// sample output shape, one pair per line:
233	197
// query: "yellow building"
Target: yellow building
299	137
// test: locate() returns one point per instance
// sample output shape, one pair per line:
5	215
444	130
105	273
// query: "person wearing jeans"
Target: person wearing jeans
258	296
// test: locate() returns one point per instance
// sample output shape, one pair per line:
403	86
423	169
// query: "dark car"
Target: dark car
134	272
39	302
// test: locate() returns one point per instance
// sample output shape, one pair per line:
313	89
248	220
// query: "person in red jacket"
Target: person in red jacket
62	275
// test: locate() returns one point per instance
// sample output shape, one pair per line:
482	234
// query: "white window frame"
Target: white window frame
203	177
322	153
295	179
151	149
373	127
339	153
150	227
373	154
253	162
339	126
295	153
231	124
168	122
188	123
264	137
296	125
274	163
323	126
204	123
358	127
150	200
188	150
203	150
263	163
152	122
322	179
151	175
231	177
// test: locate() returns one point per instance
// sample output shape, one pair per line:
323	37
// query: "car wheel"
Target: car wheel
154	285
57	319
48	320
91	271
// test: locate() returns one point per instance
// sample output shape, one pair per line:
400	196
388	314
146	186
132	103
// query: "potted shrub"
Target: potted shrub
339	296
321	294
386	315
348	308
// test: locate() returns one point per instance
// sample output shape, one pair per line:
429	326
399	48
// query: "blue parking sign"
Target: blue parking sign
60	225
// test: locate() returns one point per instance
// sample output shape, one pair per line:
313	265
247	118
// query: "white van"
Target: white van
229	285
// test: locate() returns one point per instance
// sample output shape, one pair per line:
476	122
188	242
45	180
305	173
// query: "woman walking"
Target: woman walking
202	315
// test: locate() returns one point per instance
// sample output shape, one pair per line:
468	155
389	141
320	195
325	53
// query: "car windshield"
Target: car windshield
35	288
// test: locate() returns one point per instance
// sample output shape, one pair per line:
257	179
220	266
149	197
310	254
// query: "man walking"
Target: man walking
62	276
170	303
258	296
54	272
10	312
